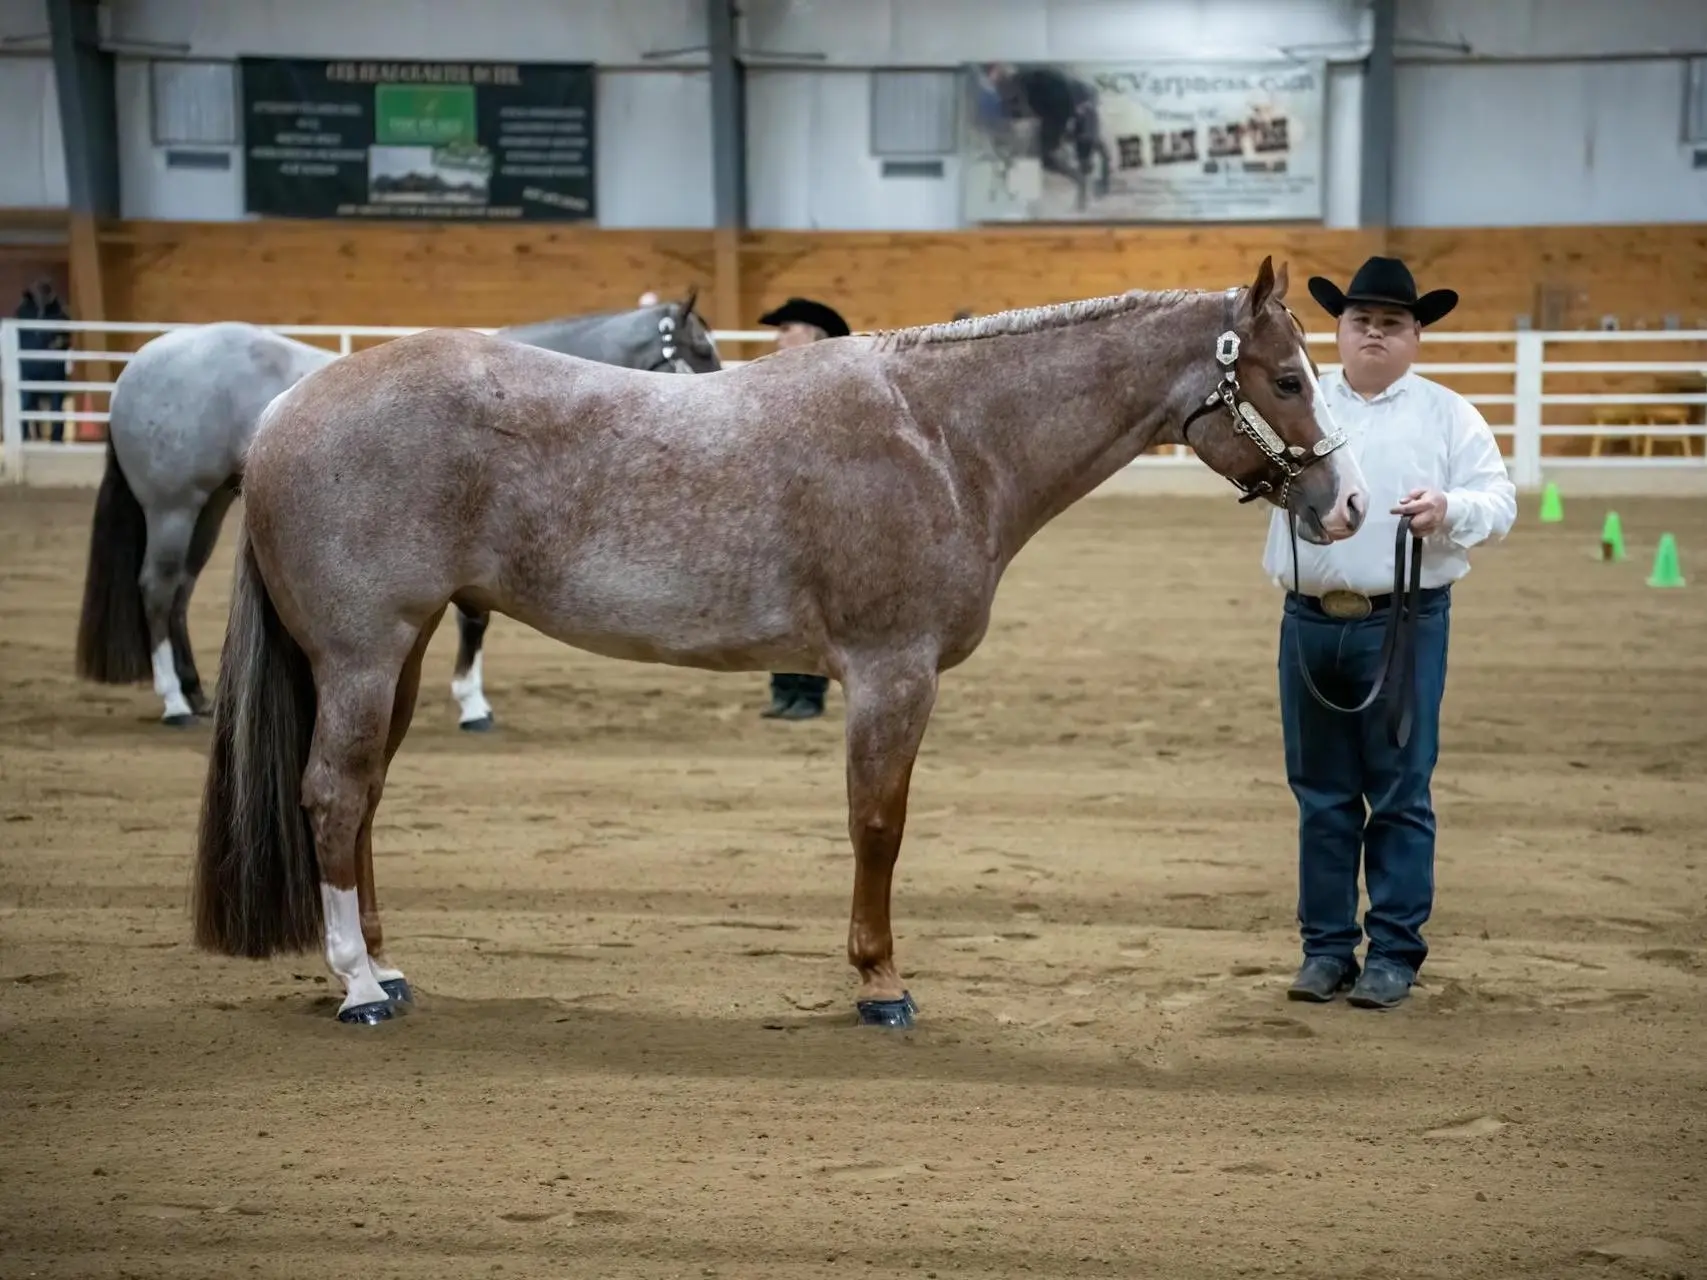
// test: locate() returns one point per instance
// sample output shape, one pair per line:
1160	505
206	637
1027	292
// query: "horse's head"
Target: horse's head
680	339
1266	426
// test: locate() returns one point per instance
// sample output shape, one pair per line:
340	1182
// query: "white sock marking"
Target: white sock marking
467	691
166	681
383	972
346	951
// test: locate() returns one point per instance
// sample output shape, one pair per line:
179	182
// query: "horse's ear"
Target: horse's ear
687	303
1279	292
1264	286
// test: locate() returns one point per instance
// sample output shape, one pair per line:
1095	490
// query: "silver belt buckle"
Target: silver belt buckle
1350	606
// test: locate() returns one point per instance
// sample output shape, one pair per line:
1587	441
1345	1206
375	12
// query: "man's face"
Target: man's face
795	334
1378	344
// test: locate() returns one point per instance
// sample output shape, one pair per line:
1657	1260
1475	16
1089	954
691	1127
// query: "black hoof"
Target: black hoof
366	1014
888	1013
483	725
398	990
178	722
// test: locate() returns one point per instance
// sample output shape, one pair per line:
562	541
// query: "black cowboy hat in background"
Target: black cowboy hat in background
805	311
1384	282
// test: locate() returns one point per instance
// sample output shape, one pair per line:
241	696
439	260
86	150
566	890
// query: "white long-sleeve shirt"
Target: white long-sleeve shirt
1416	434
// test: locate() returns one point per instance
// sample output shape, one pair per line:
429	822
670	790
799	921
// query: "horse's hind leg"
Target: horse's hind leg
340	787
391	980
475	713
165	565
889	703
202	542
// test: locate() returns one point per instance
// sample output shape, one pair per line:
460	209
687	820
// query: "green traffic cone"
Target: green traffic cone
1612	538
1667	572
1552	506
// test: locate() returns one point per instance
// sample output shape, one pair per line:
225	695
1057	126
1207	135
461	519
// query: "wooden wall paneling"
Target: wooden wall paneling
286	272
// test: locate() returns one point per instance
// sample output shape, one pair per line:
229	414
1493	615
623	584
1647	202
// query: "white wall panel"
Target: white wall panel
1555	28
1342	163
810	164
939	32
606	31
32	156
147	188
1527	145
654	149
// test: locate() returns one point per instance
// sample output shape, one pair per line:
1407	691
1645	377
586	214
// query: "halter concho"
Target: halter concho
1290	461
667	337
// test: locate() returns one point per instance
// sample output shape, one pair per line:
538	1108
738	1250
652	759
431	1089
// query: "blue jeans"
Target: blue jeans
1359	797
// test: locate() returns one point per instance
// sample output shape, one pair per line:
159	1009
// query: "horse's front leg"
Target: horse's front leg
474	712
889	703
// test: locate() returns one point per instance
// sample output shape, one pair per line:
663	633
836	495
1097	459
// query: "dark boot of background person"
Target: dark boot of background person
796	697
782	696
808	698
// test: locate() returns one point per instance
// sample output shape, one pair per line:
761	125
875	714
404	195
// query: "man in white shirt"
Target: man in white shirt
1428	454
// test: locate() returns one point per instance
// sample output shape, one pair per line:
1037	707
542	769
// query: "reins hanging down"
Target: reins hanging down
1398	638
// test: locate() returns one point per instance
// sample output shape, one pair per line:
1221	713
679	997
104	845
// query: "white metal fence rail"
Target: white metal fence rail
1523	379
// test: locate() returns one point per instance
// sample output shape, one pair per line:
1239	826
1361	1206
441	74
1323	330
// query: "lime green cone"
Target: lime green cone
1552	505
1612	538
1667	571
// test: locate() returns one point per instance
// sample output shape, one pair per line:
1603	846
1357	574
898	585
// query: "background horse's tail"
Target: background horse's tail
257	882
112	635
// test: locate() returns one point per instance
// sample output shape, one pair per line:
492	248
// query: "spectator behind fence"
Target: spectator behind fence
42	303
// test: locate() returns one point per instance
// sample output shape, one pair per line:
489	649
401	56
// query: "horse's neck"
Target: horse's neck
1038	420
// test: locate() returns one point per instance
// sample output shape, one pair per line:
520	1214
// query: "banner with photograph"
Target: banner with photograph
442	140
1162	142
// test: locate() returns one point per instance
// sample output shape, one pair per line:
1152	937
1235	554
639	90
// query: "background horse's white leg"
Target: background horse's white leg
202	542
165	568
474	712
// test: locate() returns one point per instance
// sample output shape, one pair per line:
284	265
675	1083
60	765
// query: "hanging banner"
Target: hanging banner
442	140
1163	142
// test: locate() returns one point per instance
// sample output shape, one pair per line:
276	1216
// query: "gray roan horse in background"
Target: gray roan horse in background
844	509
182	415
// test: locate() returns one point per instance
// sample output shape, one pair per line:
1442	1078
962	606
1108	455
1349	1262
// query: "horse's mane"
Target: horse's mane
1060	315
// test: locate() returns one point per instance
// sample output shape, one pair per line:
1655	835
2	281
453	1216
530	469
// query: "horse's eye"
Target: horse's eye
1289	384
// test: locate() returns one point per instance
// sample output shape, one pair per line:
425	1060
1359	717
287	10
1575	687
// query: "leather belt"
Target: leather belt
1353	606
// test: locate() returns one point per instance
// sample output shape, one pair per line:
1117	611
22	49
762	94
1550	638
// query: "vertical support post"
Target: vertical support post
1375	194
11	404
1526	413
728	160
88	114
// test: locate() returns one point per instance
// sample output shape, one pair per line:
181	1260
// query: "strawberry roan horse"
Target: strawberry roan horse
845	508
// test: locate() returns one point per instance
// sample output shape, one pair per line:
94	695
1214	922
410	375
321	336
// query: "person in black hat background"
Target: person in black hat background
801	321
1427	453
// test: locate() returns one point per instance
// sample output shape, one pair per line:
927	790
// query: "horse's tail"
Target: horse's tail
112	634
257	881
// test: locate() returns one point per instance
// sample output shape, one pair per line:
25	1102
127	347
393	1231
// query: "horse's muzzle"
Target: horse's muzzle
1330	499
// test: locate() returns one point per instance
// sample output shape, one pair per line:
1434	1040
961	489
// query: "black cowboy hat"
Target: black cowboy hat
1384	282
805	311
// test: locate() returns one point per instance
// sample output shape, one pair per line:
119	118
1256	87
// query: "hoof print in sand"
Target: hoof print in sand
1471	1127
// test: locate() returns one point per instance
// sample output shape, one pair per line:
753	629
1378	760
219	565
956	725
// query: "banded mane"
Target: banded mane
1023	320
